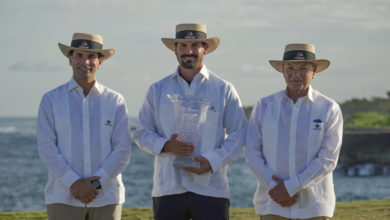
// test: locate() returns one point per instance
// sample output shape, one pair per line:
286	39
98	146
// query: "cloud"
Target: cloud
365	15
27	66
114	5
255	14
250	70
359	15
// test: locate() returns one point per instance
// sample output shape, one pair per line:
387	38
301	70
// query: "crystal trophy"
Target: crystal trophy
190	117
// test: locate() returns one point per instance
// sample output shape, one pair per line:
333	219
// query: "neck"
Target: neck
189	74
296	94
85	84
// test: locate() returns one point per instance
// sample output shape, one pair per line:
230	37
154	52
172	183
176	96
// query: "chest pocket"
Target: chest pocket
316	129
62	122
107	124
269	129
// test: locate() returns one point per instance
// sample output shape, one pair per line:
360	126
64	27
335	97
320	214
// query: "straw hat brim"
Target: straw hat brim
107	53
321	64
211	42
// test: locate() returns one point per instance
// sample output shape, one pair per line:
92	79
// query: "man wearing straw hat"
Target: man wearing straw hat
194	124
84	138
293	142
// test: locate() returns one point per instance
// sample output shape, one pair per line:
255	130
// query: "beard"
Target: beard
190	64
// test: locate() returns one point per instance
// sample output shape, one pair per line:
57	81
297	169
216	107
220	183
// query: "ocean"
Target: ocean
23	176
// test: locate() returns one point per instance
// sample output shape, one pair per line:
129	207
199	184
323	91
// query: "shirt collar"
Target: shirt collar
309	95
97	87
203	72
72	84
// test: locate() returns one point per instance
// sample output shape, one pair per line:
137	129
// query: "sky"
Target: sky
353	34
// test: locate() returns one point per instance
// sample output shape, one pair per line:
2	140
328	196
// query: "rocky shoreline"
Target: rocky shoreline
365	151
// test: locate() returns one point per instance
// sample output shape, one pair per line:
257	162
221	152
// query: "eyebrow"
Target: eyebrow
303	64
193	44
88	55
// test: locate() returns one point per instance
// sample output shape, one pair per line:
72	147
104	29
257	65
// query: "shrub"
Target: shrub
368	119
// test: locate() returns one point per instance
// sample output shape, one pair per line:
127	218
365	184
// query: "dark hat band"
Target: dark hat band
298	55
86	44
191	34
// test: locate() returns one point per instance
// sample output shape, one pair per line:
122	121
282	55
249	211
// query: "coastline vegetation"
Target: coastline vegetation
369	119
361	113
377	209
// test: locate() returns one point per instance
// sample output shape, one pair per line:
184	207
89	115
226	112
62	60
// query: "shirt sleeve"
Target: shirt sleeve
235	125
119	157
47	145
327	157
254	150
146	135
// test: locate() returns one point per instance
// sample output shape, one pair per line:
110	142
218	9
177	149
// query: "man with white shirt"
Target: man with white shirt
84	138
293	142
194	124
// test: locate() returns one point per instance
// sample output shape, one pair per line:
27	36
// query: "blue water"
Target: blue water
23	175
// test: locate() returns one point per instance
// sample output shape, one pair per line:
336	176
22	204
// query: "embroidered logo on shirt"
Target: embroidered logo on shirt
108	123
212	108
317	124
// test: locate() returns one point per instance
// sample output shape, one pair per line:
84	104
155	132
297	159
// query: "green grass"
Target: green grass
378	210
368	119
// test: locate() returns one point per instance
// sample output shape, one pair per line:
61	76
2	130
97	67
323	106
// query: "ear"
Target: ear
100	62
70	59
206	48
314	69
175	51
314	73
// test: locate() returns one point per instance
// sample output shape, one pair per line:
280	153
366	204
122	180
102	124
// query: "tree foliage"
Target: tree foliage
362	112
368	119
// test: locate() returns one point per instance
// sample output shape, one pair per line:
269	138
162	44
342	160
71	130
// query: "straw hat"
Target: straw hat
299	53
191	32
87	42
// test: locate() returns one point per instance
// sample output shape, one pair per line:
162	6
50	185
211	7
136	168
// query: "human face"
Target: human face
298	75
84	65
190	54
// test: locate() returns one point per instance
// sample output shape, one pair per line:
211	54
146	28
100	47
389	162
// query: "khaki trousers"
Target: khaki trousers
59	211
277	217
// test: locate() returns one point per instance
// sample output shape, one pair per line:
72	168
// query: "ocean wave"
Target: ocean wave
8	129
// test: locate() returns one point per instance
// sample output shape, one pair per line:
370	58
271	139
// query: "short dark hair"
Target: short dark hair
99	54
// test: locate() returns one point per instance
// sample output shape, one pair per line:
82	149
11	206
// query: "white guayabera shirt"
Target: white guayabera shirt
220	139
300	144
82	136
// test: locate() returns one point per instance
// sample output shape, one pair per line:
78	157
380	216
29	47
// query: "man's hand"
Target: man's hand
83	190
178	147
204	166
280	195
